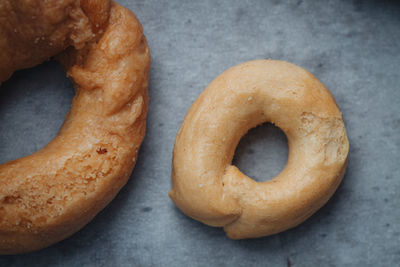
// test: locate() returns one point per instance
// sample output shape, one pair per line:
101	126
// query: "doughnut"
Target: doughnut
51	194
31	31
207	188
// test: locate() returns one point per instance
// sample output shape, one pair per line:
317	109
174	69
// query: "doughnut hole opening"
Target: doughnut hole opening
33	105
262	153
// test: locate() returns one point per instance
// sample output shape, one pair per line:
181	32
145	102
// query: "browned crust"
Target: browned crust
54	192
32	31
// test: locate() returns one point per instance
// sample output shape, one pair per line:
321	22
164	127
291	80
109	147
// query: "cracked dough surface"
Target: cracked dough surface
49	195
32	31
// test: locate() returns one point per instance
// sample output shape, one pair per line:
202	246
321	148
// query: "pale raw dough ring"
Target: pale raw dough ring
54	192
206	187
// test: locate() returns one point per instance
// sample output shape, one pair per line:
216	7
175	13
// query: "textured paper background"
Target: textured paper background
353	47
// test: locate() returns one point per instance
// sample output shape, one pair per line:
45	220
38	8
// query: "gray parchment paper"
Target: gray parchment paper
353	47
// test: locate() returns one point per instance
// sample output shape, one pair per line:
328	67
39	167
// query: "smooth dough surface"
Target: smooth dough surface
49	195
205	185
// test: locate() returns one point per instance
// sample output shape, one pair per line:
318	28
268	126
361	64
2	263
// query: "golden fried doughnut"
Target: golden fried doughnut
206	187
49	195
32	31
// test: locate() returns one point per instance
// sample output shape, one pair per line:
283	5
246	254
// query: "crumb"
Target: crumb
101	150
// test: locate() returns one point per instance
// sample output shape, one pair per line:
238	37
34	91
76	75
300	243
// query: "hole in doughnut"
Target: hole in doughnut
262	153
33	105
